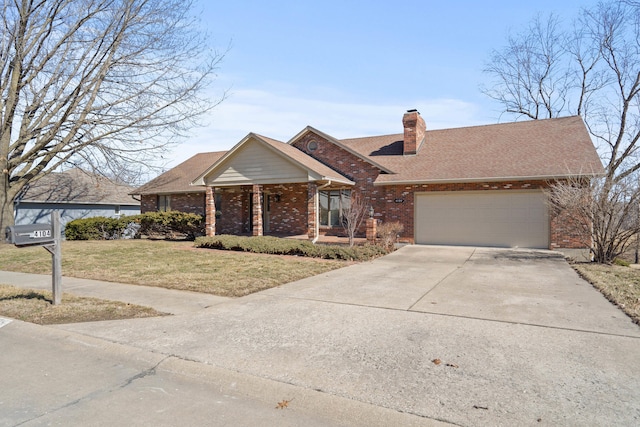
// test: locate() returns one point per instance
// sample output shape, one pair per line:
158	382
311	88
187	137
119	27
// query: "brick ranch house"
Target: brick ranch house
480	185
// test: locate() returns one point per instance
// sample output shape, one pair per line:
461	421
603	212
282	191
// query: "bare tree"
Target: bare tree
353	215
107	84
389	233
607	220
590	68
530	72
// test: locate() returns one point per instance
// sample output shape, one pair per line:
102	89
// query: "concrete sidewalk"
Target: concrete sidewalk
55	377
164	300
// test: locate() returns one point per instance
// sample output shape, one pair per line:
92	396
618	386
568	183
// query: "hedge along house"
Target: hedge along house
479	185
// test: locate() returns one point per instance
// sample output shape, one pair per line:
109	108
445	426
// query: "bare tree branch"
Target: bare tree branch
530	72
605	215
353	215
590	68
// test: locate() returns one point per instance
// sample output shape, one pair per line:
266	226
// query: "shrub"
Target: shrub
170	225
621	262
96	228
166	225
388	233
274	245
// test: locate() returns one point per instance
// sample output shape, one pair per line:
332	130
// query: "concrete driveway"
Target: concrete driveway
517	286
517	338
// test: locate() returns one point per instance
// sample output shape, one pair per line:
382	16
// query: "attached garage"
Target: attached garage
482	218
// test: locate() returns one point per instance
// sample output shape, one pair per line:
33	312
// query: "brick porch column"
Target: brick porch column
257	210
210	212
372	224
312	210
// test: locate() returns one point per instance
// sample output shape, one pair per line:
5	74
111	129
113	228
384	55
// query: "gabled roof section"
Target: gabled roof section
534	149
256	158
178	179
336	142
79	187
528	150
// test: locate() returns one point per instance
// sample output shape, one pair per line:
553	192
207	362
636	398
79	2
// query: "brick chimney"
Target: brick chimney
414	131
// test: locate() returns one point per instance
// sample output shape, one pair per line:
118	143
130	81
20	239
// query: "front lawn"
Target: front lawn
35	306
173	265
621	285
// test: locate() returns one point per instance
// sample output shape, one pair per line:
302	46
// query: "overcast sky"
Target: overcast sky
352	68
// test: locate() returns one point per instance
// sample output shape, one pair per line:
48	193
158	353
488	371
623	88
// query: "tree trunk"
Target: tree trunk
6	213
8	193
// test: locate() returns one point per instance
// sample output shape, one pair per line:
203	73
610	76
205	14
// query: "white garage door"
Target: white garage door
483	218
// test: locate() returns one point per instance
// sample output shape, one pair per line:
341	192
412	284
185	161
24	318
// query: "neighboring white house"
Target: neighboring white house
76	194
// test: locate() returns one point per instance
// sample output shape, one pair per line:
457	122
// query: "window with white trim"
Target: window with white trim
332	205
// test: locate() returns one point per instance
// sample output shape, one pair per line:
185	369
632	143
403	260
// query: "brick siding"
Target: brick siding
567	232
356	169
210	208
148	203
233	210
183	202
288	213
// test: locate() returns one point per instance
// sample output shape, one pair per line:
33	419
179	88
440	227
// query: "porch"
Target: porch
265	187
299	210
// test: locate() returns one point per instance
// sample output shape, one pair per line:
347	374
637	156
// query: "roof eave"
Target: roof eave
338	180
71	202
196	189
487	179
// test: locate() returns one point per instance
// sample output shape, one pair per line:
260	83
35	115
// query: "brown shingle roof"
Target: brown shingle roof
540	149
531	149
78	186
179	178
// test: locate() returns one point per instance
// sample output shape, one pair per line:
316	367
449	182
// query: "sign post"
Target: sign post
55	249
48	236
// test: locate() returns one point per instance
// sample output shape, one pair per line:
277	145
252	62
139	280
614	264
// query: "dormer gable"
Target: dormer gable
306	142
